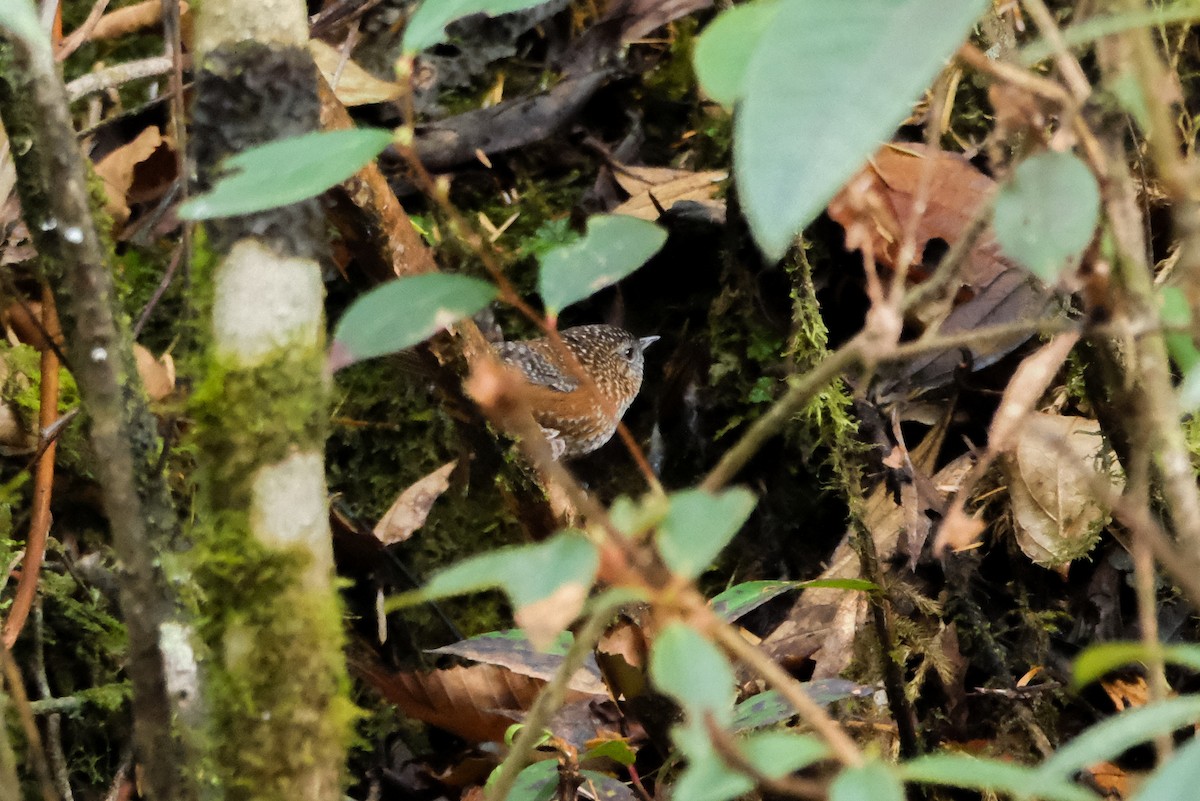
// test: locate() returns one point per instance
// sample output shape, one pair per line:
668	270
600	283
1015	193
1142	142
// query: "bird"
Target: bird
573	418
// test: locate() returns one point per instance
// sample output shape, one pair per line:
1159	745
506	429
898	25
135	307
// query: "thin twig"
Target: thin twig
15	685
551	698
43	485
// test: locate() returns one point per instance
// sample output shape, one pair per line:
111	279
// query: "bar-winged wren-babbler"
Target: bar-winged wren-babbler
569	412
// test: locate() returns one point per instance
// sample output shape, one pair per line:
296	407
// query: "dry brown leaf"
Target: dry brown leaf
130	19
478	703
668	185
355	86
543	620
887	190
158	375
640	17
117	170
1051	474
517	653
410	510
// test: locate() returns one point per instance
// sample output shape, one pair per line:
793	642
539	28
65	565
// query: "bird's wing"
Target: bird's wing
538	367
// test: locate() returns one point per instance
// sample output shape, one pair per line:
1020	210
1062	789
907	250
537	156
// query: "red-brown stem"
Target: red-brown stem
39	525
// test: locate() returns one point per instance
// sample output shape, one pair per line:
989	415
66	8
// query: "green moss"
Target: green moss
22	391
388	431
277	685
247	417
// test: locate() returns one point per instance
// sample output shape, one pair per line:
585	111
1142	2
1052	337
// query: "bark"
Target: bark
53	186
273	623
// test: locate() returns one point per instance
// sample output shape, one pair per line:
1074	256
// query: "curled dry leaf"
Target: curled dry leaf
410	510
668	185
158	375
355	86
118	169
1052	476
887	192
478	703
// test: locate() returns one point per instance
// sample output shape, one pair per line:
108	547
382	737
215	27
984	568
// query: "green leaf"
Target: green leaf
826	85
744	598
1102	25
769	707
526	573
616	750
1098	660
537	782
778	753
547	583
709	778
690	669
20	17
427	26
873	781
698	525
1175	780
972	773
1109	739
401	313
613	247
1047	212
723	51
287	171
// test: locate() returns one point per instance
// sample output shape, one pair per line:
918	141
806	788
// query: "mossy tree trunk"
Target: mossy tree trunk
53	184
273	626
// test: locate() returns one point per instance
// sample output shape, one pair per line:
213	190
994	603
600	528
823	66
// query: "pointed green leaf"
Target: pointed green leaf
287	171
693	671
1175	780
741	599
427	26
698	525
1109	739
873	781
990	775
1098	660
404	312
723	51
613	247
526	573
827	84
778	753
1046	214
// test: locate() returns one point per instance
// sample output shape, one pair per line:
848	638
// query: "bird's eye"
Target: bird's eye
627	352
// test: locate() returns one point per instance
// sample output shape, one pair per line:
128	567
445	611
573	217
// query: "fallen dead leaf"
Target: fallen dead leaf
410	510
158	375
1057	515
355	86
668	186
888	189
478	703
117	169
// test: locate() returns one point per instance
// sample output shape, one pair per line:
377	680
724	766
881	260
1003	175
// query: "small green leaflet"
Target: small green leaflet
693	671
404	312
526	573
613	247
1046	214
990	775
287	171
698	525
1104	658
723	51
874	781
826	84
427	26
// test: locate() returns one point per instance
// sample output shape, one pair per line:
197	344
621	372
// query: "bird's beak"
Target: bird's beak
646	342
